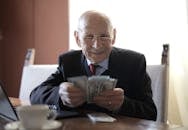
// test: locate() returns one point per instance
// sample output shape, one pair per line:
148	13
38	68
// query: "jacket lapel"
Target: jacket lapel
84	66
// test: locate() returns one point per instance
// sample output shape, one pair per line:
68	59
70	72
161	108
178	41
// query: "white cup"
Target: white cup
33	116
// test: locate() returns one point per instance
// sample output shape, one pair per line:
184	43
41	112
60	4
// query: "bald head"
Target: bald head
95	19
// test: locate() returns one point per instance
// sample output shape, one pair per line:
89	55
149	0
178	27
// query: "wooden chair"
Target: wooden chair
159	76
33	74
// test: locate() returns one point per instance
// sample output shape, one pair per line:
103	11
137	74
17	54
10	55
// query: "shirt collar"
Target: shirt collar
103	64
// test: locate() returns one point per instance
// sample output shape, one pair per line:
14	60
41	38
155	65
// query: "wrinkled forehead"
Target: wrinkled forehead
95	23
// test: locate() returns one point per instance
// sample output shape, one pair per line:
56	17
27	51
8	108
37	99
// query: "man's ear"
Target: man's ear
76	36
114	36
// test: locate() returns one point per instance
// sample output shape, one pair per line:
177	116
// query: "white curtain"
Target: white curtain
144	25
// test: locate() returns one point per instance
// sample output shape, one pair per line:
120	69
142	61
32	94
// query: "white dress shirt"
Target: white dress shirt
103	66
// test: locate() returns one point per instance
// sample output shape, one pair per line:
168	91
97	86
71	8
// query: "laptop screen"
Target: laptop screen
6	109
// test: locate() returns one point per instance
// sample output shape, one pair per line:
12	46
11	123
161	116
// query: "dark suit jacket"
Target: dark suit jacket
127	66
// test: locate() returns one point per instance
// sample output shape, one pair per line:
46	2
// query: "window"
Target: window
142	25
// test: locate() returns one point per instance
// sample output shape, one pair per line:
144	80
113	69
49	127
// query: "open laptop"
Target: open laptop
6	110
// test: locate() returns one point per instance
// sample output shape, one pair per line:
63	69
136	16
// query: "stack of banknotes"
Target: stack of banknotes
93	85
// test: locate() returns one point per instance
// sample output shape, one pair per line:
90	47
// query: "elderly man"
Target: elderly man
96	36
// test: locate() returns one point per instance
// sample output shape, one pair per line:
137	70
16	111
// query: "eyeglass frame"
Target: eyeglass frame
100	37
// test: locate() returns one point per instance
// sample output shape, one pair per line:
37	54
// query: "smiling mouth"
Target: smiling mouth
98	52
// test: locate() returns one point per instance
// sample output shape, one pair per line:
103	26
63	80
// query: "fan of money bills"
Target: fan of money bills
93	85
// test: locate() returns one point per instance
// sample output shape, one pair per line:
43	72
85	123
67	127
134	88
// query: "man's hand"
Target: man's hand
110	99
70	95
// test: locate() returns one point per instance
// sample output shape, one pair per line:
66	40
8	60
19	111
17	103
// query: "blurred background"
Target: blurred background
142	25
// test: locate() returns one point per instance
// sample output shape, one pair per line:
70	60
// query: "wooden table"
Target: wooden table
122	123
17	102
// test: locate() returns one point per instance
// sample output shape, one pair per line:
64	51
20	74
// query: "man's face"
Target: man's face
96	39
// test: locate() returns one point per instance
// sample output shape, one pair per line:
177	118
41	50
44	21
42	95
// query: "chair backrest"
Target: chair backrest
157	74
159	78
32	76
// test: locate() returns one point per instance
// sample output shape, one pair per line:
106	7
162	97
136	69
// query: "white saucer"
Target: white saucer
49	125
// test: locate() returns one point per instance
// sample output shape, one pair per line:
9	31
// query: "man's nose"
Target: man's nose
95	43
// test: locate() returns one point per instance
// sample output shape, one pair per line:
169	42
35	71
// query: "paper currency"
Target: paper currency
93	85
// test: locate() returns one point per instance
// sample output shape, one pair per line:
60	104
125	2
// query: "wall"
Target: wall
51	29
42	25
17	29
0	39
0	63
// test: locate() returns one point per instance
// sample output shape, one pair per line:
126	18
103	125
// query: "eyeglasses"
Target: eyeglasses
92	37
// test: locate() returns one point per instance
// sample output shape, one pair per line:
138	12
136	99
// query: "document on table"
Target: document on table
100	117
